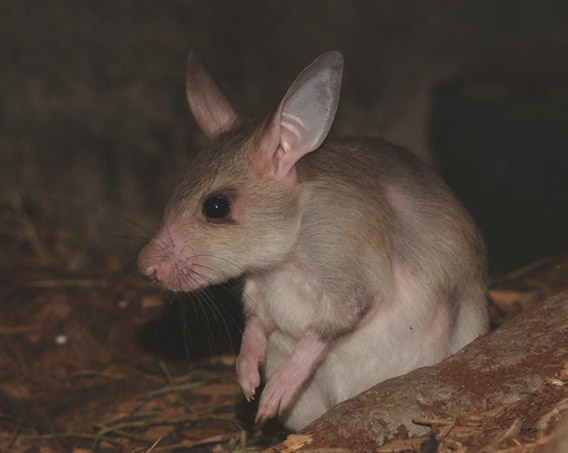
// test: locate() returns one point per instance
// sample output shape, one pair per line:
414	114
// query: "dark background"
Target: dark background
94	127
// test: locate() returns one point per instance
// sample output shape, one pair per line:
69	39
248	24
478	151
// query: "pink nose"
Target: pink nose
149	261
149	271
167	265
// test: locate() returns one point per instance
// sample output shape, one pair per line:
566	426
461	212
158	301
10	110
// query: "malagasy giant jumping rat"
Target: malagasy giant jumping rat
359	263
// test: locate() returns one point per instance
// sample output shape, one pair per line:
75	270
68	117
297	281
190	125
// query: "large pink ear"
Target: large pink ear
303	118
209	105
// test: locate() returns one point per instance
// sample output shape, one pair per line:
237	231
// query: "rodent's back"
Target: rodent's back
399	202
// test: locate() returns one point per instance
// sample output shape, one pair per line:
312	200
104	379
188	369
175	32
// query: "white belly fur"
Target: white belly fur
393	339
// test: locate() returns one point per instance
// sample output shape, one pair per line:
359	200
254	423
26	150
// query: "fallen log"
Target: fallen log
527	355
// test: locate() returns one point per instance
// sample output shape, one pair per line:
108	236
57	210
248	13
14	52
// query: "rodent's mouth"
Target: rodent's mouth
179	264
173	272
186	283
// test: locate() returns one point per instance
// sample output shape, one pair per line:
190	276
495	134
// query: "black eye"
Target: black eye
216	207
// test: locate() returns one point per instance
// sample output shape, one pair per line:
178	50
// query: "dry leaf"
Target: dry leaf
193	443
292	443
400	445
126	408
160	431
507	296
15	390
217	390
150	302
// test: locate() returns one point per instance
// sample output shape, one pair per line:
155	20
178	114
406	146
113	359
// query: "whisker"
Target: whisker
185	327
241	295
240	269
161	243
219	258
170	236
210	303
182	307
206	296
211	298
211	344
158	256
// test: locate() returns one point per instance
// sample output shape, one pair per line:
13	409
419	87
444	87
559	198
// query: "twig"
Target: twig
61	435
445	431
95	373
432	421
193	443
523	270
154	445
555	413
166	372
139	414
66	283
29	228
117	430
170	380
400	445
173	389
504	435
524	447
15	330
14	436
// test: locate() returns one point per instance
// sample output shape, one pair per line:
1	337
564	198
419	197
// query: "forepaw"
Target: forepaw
277	397
248	376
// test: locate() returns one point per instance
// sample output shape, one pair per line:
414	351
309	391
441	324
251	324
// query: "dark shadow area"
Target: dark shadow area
500	134
196	326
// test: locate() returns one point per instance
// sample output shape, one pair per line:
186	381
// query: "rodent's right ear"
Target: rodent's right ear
303	118
209	105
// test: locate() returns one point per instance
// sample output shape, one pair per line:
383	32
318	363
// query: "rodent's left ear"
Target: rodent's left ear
210	107
303	118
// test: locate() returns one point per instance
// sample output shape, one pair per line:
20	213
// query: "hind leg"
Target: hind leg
284	386
309	403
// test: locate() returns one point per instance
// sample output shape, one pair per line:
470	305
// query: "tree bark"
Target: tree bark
500	368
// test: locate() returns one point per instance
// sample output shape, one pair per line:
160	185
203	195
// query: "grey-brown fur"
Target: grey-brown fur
441	245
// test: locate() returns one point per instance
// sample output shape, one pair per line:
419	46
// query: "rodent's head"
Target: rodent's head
238	207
